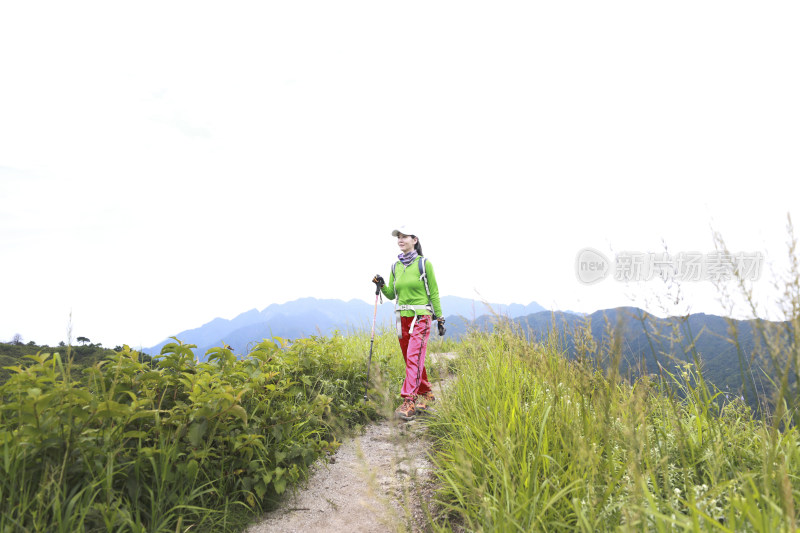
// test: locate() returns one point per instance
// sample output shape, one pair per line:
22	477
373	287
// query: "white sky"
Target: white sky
164	163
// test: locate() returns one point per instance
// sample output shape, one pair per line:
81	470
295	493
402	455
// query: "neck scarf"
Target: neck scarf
406	259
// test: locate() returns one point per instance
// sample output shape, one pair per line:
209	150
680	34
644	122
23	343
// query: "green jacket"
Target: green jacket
412	289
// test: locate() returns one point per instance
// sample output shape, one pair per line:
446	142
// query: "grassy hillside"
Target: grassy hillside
535	434
528	440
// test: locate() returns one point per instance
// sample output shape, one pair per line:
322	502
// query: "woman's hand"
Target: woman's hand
378	280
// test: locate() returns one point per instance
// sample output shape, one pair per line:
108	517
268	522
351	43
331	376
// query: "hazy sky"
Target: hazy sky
165	163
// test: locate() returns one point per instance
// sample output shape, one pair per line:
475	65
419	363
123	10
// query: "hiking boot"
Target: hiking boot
424	402
407	410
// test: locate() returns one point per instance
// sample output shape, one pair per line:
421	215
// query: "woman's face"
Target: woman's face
406	242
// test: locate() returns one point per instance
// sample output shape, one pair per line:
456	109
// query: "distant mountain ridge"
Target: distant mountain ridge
652	345
312	316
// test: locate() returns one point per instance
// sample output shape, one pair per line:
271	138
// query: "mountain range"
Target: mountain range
312	316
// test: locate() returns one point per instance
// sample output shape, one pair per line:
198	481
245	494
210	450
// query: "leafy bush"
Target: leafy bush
173	443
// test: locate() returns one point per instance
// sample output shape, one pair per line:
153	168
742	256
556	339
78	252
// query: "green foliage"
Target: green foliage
527	440
173	444
77	358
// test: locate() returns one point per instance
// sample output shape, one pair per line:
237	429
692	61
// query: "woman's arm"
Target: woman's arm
388	289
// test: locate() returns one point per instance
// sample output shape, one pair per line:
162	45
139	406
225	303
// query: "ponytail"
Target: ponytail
417	247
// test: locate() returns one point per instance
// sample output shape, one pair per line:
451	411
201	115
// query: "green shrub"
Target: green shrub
172	444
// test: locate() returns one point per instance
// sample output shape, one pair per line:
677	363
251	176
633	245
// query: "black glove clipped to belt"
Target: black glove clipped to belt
442	331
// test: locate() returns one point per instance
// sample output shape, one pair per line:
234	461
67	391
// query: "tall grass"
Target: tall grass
776	356
177	445
527	440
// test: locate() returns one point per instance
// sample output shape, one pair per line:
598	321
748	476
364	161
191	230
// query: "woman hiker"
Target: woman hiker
416	306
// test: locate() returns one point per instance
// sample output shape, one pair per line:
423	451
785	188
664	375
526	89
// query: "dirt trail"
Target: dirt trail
377	482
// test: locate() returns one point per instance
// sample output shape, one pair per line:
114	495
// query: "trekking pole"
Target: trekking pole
372	338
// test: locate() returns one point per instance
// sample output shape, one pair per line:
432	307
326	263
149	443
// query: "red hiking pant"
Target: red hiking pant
414	346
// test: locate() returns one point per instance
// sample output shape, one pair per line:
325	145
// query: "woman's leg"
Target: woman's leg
414	346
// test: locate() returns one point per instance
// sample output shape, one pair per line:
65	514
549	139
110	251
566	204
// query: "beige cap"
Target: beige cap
405	230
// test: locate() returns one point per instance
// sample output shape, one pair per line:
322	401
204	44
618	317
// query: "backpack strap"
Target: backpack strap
423	275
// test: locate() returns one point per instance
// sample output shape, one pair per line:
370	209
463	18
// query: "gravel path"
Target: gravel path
376	482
